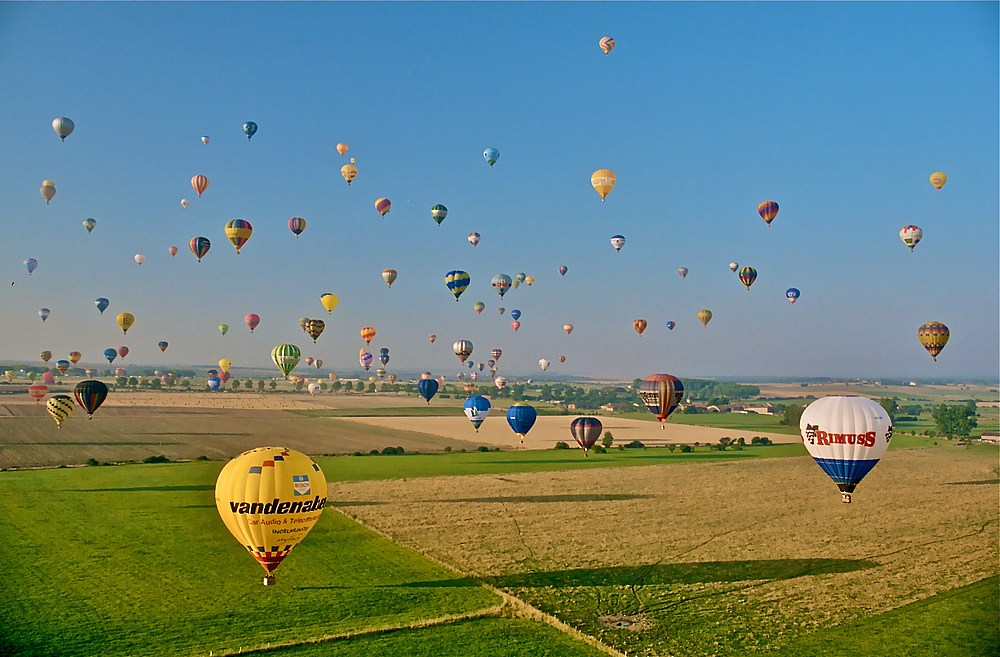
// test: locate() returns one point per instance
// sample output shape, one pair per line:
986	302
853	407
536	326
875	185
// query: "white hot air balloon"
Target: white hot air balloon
733	266
473	239
847	436
139	258
911	236
63	127
544	364
185	202
618	241
313	389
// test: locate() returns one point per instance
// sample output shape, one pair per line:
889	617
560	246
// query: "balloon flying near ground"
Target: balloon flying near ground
476	408
286	357
90	395
933	336
586	431
428	388
846	436
521	417
60	407
269	498
661	393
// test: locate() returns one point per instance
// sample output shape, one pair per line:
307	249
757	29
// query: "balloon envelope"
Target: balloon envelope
639	325
768	210
286	357
501	283
249	129
462	349
792	294
491	155
239	231
606	44
476	408
59	407
329	301
586	431
125	321
102	304
428	388
89	223
438	213
199	246
162	345
603	181
63	126
389	276
933	336
90	395
297	225
457	281
200	183
704	316
618	241
661	393
474	239
252	320
269	498
111	354
938	180
911	236
747	276
383	205
521	417
342	148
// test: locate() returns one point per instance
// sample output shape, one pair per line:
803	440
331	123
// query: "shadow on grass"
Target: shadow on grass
519	499
992	482
145	489
433	584
683	573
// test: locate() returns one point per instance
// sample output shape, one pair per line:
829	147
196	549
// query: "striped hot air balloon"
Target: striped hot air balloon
768	210
438	213
457	281
368	334
383	205
661	393
90	395
239	231
200	246
200	183
933	336
606	44
586	431
747	276
286	357
297	225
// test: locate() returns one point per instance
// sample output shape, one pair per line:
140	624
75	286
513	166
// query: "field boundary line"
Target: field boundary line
518	607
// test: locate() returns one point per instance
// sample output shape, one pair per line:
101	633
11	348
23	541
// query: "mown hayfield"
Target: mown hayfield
729	558
134	560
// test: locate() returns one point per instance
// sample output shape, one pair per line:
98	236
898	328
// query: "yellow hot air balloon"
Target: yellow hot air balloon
349	171
225	364
125	321
938	180
329	301
368	333
48	190
704	316
933	336
59	408
269	498
603	181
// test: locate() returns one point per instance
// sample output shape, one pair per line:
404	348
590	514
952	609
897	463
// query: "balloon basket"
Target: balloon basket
845	498
269	579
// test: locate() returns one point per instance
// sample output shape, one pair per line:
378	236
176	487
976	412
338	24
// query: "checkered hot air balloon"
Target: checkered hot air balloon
60	407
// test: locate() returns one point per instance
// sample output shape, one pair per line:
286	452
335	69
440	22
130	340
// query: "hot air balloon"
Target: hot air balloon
48	190
476	408
911	236
934	336
563	269
319	363
125	321
530	280
200	184
426	375
89	223
479	306
44	313
704	316
383	356
342	148
302	323
544	364
473	239
389	276
139	259
225	364
120	371
31	265
102	304
172	250
500	382
349	172
491	155
603	181
428	388
11	375
457	281
366	360
122	352
332	376
562	359
496	353
297	225
75	356
661	393
111	355
847	436
200	246
462	349
223	328
606	44
639	325
204	139
269	498
49	378
368	334
618	241
768	210
249	129
63	127
683	271
747	276
38	391
432	338
286	357
521	417
252	320
501	283
733	266
213	372
671	325
329	302
90	395
60	407
568	328
239	231
438	213
515	325
392	378
383	205
46	356
586	431
792	294
474	376
313	388
62	366
501	310
315	327
515	314
938	180
185	203
90	373
162	345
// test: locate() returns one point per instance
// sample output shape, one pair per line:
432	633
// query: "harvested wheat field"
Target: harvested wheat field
705	558
551	428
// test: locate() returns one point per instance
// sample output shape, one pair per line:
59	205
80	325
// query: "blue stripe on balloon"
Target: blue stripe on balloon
846	472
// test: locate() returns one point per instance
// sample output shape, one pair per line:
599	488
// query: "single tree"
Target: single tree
607	440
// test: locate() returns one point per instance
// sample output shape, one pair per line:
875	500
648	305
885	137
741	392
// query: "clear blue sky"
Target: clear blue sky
839	112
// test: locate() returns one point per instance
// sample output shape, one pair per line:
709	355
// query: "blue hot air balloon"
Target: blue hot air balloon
792	294
491	155
671	324
457	281
428	388
521	417
476	409
102	304
515	314
249	129
31	265
214	382
111	354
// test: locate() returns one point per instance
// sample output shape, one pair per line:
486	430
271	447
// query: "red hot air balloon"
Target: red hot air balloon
768	210
200	184
252	321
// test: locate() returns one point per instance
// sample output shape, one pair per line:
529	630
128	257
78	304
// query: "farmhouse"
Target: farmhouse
615	406
991	437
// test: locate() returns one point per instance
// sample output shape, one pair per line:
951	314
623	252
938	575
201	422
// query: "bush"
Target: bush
635	444
202	458
389	451
481	448
597	449
671	447
400	450
156	459
561	445
447	450
374	452
687	448
92	462
356	454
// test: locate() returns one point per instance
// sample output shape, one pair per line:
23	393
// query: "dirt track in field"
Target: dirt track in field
769	535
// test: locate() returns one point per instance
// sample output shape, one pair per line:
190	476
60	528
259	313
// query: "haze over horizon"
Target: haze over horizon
839	112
